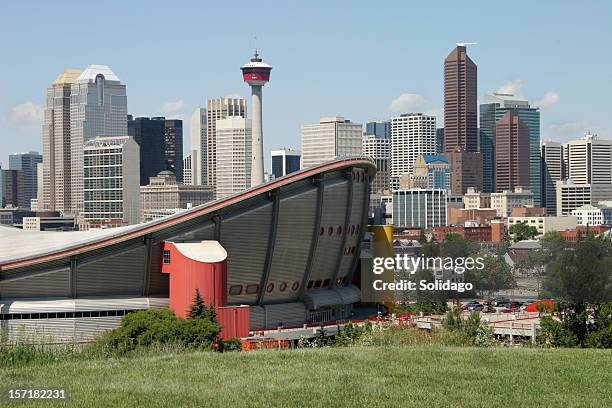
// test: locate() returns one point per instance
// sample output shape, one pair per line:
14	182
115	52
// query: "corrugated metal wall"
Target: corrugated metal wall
245	238
287	314
329	247
296	221
120	274
53	283
356	219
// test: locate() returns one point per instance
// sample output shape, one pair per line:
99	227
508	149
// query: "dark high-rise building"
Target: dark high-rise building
12	188
511	152
174	147
382	129
285	161
495	107
149	133
461	121
460	102
440	140
28	164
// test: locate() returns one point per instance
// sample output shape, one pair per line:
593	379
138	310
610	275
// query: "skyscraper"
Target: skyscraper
233	161
216	109
149	133
381	128
460	120
198	147
98	107
495	107
285	161
28	163
412	135
173	134
378	149
332	137
188	169
56	143
460	106
111	181
11	188
511	152
589	161
440	141
552	171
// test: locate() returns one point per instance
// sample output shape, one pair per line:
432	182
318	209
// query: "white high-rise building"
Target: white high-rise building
187	168
412	135
98	107
552	171
379	150
233	155
589	161
217	109
111	181
198	147
56	166
331	138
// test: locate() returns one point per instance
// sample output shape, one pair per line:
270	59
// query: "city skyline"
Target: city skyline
570	97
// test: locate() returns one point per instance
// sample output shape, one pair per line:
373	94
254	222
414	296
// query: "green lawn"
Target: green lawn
357	377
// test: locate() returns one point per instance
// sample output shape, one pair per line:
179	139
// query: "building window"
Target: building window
252	289
283	286
235	290
166	256
310	283
326	283
295	286
318	283
270	287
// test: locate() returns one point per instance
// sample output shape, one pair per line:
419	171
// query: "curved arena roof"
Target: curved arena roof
298	233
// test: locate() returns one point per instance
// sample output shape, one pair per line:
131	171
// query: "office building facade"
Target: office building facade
571	195
217	109
233	151
149	133
552	171
98	107
512	153
381	129
173	150
12	192
198	147
589	161
379	150
27	163
412	135
285	161
419	208
57	144
111	180
332	137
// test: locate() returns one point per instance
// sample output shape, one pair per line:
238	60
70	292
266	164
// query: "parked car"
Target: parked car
475	306
501	301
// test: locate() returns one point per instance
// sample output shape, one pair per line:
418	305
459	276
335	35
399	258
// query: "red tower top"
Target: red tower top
256	72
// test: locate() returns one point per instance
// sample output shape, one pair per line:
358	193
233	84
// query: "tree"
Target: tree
495	275
455	246
521	231
199	310
422	237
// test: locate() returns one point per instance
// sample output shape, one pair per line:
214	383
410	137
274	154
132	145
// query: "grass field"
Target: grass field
333	377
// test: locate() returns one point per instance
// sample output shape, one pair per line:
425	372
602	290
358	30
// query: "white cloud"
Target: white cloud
549	99
514	87
406	101
26	113
171	107
563	129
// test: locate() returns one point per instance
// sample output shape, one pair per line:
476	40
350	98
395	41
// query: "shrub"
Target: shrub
231	344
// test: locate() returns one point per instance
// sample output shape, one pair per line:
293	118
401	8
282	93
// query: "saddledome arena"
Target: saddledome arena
292	248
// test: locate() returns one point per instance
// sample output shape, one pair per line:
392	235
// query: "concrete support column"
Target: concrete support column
257	167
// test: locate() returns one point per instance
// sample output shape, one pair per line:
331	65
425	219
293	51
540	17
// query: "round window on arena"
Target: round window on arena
358	227
235	290
330	230
352	229
295	286
322	231
282	287
270	287
339	229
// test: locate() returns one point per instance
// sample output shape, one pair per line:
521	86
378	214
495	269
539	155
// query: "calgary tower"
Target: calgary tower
256	73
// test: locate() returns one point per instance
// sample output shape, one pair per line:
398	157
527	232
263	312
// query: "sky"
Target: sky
363	60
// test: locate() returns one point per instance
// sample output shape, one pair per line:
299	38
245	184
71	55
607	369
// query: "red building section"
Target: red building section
202	266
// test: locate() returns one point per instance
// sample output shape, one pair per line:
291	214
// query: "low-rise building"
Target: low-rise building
419	207
164	195
545	224
503	202
593	215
